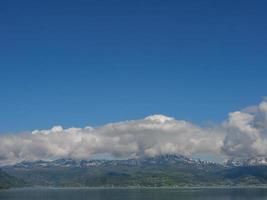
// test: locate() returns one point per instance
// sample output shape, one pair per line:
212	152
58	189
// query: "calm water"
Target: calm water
130	194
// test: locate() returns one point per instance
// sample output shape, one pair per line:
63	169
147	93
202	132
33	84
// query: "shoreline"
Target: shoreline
134	188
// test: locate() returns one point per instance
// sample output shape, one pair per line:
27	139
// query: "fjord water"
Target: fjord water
135	194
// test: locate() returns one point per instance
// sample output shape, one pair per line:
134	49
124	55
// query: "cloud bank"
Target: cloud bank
242	135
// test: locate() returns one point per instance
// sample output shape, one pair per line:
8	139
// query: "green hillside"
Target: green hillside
7	181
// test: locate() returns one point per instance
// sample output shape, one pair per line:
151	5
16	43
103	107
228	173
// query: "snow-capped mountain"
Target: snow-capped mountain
175	160
255	161
163	170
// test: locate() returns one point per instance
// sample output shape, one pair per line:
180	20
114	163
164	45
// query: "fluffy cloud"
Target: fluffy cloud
151	136
246	132
243	134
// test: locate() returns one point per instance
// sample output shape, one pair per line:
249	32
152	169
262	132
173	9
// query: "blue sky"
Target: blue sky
79	63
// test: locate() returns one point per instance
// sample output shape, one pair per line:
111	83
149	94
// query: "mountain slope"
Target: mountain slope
7	181
168	170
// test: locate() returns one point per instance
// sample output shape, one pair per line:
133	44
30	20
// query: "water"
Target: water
135	194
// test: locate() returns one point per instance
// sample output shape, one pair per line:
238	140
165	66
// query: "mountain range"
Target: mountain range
158	171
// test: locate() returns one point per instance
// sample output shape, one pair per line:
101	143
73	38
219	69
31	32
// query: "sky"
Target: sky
88	63
126	79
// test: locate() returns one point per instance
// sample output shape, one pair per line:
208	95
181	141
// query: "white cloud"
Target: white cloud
246	132
151	136
243	134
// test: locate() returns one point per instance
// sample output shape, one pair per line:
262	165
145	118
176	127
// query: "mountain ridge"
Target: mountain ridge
67	162
158	171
